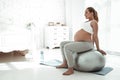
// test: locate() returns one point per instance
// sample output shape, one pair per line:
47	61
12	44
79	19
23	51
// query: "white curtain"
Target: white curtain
115	26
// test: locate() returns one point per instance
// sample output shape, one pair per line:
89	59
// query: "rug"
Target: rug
55	63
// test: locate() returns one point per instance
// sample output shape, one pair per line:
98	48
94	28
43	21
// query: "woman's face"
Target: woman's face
88	14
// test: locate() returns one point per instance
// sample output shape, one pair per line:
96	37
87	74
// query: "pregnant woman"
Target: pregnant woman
84	40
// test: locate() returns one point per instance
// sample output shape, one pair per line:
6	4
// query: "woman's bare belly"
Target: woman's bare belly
82	35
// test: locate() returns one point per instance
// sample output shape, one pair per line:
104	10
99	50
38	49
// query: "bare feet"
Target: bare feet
69	71
62	66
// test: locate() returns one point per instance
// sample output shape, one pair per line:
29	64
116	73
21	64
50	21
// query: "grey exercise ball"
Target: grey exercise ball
90	61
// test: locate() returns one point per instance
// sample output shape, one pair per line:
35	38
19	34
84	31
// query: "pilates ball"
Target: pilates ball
90	61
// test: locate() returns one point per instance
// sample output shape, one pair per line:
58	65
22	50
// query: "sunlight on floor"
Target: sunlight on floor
26	67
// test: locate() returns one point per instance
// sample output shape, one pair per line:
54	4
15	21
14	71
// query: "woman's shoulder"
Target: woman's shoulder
94	22
91	21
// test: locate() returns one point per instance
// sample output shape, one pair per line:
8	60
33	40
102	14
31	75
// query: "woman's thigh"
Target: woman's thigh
79	46
65	42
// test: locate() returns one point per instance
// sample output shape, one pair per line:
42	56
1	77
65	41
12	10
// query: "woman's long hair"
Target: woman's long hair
91	9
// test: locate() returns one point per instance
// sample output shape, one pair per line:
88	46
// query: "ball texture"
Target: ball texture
90	61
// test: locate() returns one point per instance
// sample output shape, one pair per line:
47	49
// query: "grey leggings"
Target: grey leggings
70	47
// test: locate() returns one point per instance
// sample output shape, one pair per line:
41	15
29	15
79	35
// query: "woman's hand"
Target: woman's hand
103	52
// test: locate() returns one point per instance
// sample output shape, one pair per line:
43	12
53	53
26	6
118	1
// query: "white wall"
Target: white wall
74	15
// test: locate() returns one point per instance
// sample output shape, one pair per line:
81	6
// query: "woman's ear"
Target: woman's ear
92	13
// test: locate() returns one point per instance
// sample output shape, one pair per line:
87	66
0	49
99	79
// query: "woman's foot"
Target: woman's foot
62	66
69	71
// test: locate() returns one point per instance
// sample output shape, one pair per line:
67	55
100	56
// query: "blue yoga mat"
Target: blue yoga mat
104	71
55	63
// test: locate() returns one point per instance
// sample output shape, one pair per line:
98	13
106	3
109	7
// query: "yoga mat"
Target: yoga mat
55	62
104	71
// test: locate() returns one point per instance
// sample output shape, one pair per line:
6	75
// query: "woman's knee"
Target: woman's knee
64	43
68	47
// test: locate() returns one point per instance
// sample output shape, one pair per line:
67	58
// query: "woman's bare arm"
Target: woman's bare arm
94	25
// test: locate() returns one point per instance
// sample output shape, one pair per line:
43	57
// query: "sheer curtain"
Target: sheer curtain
115	26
